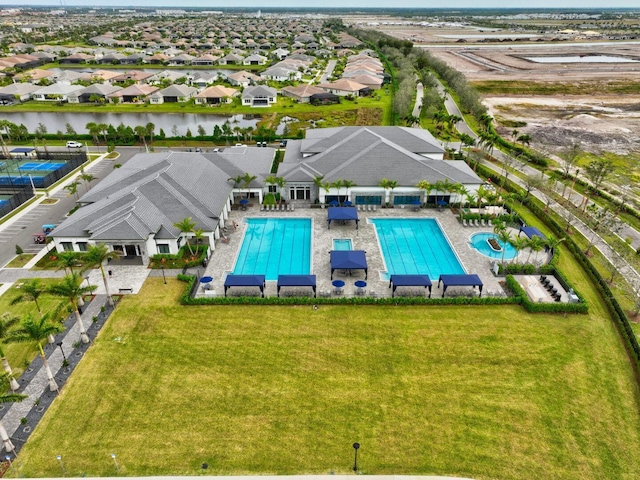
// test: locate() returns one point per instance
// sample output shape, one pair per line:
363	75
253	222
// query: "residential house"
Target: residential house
231	59
136	93
344	87
17	92
254	60
97	92
137	76
173	94
301	93
206	60
58	92
216	95
243	78
259	96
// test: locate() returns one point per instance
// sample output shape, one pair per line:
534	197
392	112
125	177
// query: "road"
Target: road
19	229
331	64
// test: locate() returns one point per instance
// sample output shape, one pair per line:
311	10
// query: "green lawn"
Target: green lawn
483	392
19	353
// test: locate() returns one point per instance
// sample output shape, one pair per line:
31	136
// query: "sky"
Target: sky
341	3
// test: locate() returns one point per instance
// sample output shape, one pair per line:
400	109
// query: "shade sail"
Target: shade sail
342	214
349	260
409	281
297	281
531	232
244	281
470	280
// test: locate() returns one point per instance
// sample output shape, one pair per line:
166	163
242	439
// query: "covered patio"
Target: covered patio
342	214
244	281
396	281
470	280
349	260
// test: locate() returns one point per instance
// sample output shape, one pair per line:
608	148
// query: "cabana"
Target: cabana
342	213
409	281
348	260
531	232
244	281
471	280
297	281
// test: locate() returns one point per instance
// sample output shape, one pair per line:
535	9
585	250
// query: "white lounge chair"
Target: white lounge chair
489	223
464	222
482	222
373	207
292	207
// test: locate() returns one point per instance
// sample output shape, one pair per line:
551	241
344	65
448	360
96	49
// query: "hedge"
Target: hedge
545	307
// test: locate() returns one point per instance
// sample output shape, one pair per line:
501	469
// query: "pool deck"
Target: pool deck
223	258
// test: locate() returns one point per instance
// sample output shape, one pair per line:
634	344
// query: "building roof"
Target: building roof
368	154
217	91
147	195
259	91
344	85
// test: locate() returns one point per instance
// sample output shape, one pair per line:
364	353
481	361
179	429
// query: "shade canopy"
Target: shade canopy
22	150
409	281
244	281
531	232
297	281
470	280
343	214
349	260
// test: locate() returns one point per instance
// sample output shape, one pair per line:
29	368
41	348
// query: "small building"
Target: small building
56	93
94	93
216	95
173	94
133	94
243	79
231	59
254	60
344	87
301	93
259	96
17	92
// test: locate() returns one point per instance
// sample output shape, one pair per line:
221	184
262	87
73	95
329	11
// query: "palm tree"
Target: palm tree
98	255
37	331
103	128
535	245
31	291
150	128
317	181
186	226
66	260
7	322
551	242
427	187
505	237
347	184
519	243
237	180
326	186
388	185
70	288
87	178
73	189
338	184
8	398
94	131
247	178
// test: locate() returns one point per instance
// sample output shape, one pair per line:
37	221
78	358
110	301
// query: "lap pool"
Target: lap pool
275	246
416	247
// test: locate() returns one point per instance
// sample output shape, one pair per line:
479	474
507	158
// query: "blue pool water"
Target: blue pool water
479	242
342	244
275	246
416	247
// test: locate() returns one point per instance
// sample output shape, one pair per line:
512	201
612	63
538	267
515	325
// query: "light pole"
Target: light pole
163	276
356	446
59	458
8	459
63	355
115	462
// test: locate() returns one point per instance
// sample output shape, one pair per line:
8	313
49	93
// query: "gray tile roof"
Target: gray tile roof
368	154
148	195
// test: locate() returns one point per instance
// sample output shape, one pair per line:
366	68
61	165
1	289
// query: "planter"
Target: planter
493	243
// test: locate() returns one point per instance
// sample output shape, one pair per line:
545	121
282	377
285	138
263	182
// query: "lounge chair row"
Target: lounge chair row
476	223
367	208
277	208
548	285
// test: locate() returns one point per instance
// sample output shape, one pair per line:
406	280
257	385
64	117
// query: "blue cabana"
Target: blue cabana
244	281
471	280
409	281
531	232
342	213
25	150
349	260
297	281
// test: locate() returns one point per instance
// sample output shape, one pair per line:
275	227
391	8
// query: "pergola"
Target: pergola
342	214
409	281
349	260
470	280
244	281
296	281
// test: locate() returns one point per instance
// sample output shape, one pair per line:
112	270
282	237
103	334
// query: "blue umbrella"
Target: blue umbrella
244	201
347	203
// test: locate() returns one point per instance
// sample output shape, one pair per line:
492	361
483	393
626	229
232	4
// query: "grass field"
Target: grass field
480	392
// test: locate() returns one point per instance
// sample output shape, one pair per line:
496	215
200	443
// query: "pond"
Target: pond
582	59
55	121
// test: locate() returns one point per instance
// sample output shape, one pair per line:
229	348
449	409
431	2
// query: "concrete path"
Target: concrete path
418	105
331	64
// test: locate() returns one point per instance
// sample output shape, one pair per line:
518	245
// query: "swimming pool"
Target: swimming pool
342	244
480	243
275	246
413	246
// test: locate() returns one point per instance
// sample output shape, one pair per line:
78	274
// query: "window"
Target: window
300	193
405	199
163	248
368	200
273	188
82	246
67	246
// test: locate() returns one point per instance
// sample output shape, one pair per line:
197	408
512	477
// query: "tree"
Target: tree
505	237
525	139
98	255
427	187
93	130
70	288
317	181
72	188
7	322
600	220
31	291
141	132
535	245
8	398
201	131
338	184
598	171
150	129
388	185
69	129
247	178
36	332
186	226
66	260
87	178
568	159
519	243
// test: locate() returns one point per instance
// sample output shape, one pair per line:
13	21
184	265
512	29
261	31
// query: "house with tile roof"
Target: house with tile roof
216	94
173	94
366	155
259	96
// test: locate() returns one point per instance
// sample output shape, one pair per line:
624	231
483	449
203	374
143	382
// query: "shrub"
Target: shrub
19	250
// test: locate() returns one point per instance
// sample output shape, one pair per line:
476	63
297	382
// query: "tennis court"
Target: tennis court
40	166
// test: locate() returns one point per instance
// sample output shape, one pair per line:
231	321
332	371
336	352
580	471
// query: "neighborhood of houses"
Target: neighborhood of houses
283	57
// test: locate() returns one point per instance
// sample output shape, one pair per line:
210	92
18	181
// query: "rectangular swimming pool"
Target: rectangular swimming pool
275	246
415	247
342	244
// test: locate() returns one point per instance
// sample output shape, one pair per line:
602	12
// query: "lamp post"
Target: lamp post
356	446
163	276
8	459
59	458
63	355
115	462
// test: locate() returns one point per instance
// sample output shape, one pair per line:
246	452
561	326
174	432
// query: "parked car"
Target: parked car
72	144
283	143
